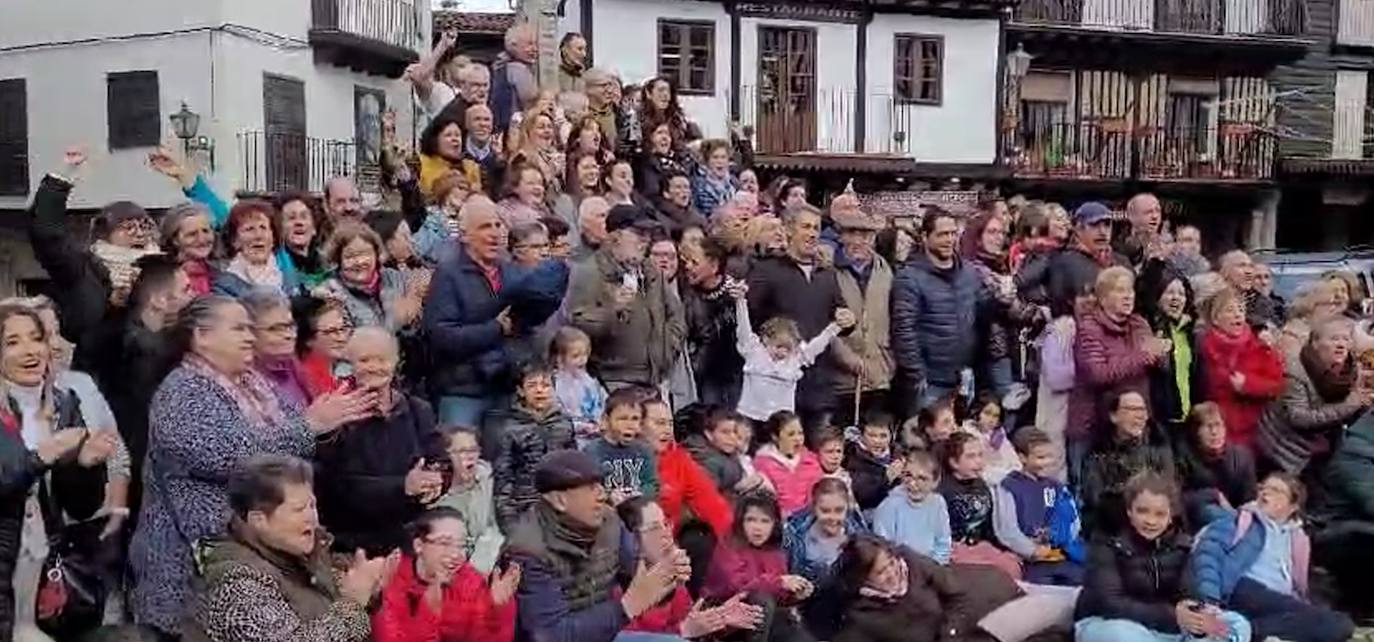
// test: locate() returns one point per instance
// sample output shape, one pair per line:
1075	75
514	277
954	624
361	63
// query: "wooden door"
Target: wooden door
787	90
284	144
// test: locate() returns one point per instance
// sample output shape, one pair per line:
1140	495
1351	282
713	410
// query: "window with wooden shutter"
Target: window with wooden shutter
918	68
14	138
687	55
283	101
134	107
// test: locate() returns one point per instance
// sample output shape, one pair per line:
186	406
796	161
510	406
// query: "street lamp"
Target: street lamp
1018	66
1018	62
186	125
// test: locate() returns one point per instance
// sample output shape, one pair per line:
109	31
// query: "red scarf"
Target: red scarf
198	274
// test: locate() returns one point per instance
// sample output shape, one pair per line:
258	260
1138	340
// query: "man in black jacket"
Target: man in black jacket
799	287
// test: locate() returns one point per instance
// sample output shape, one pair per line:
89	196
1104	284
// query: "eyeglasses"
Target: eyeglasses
335	332
136	225
279	328
446	542
466	451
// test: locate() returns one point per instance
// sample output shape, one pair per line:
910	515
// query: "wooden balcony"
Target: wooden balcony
1110	149
370	36
1238	18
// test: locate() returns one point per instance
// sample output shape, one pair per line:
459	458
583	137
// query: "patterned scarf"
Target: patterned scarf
119	263
903	584
266	275
249	390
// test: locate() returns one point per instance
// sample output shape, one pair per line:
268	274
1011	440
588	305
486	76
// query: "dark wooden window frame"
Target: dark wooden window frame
685	28
14	141
911	81
134	118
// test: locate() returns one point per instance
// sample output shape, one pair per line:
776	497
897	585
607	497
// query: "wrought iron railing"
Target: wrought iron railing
1109	148
272	162
1215	17
825	120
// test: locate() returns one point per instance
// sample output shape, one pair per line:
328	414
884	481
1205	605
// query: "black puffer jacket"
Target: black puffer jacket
933	313
716	361
868	475
525	440
1105	473
724	470
361	473
1130	578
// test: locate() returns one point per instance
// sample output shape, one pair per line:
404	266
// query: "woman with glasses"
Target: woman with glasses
274	345
529	244
322	331
437	595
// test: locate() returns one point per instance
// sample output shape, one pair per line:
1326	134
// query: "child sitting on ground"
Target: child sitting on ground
934	425
985	423
719	449
627	461
1217	476
914	515
786	462
775	357
1040	514
830	444
972	508
581	397
871	462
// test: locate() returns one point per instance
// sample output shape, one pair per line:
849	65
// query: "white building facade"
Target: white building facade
907	80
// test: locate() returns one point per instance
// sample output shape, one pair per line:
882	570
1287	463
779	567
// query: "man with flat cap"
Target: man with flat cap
582	578
637	327
863	357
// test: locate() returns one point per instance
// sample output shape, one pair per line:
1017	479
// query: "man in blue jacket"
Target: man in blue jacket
937	308
479	303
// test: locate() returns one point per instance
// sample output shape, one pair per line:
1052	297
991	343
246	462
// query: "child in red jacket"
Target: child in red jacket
1241	372
682	483
436	595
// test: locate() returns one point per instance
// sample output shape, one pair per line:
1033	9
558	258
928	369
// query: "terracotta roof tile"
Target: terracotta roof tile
469	22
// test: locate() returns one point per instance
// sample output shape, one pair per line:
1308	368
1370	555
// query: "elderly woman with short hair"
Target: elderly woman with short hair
210	414
1322	392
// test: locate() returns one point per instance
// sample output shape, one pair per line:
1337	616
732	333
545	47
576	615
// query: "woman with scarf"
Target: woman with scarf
662	157
1166	302
50	467
1241	372
526	192
322	331
660	105
274	344
1113	351
249	237
302	225
188	235
370	292
211	413
1323	391
984	247
572	61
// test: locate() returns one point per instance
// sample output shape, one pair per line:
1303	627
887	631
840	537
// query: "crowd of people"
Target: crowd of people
580	377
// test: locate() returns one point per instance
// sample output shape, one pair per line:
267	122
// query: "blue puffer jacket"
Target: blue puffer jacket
471	355
794	533
935	320
1226	549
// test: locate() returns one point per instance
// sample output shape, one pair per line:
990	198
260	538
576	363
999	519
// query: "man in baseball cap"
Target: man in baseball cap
572	550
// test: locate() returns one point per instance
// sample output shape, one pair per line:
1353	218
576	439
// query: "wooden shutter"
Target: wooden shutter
14	138
133	104
283	101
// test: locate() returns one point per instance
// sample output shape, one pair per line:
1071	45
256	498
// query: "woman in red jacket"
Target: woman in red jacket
1241	372
436	596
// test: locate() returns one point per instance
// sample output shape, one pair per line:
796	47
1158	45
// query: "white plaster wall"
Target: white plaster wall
836	78
67	106
27	22
625	38
961	129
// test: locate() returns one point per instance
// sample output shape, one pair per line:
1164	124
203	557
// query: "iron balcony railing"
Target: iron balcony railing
394	22
1108	148
825	121
1213	17
272	161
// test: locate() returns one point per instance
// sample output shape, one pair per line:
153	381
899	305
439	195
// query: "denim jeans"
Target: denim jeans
1098	629
476	413
641	636
1286	617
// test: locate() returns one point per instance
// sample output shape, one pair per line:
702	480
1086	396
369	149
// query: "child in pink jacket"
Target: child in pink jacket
786	462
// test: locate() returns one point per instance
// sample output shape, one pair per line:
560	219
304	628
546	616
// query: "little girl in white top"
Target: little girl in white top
774	360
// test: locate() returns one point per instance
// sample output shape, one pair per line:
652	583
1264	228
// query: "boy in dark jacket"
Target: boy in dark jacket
873	467
627	461
717	449
534	427
1047	535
